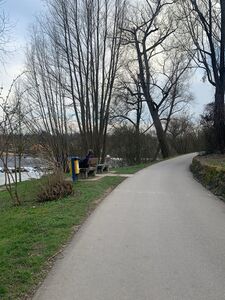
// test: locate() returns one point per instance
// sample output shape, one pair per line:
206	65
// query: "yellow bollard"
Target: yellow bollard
77	169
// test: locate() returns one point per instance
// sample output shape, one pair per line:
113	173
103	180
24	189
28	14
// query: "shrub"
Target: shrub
54	188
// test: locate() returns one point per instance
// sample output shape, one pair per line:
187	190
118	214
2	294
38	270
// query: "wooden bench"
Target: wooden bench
105	166
102	168
91	169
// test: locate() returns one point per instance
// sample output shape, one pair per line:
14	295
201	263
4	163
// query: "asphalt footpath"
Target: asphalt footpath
159	235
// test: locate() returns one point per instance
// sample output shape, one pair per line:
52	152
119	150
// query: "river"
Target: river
32	165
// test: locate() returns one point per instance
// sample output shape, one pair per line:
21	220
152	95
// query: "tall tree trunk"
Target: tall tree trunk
104	144
137	147
160	134
19	166
219	118
219	115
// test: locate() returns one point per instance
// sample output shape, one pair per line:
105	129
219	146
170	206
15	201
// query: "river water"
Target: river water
33	165
25	176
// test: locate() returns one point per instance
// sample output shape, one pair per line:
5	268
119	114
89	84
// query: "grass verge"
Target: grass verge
210	171
131	169
214	160
32	234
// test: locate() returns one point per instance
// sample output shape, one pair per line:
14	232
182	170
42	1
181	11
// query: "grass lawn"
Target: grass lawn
131	169
31	234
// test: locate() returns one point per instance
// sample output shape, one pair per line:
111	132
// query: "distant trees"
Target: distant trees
122	143
129	108
184	135
205	24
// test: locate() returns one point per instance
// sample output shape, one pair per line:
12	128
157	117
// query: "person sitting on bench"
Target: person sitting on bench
83	163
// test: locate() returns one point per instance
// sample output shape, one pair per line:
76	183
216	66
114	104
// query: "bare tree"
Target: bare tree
129	107
46	112
9	121
205	23
8	114
19	140
169	88
86	37
146	33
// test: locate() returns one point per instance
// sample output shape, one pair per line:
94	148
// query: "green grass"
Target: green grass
33	233
131	169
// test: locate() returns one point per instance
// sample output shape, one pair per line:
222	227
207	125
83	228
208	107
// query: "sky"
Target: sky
22	15
203	93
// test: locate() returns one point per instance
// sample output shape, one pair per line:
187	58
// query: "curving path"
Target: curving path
158	236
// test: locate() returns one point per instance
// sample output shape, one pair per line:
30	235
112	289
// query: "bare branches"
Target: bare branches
205	23
11	118
5	30
147	33
82	41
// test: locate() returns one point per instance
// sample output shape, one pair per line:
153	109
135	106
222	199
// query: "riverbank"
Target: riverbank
32	234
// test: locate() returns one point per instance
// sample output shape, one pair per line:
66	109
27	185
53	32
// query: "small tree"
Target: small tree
11	135
8	127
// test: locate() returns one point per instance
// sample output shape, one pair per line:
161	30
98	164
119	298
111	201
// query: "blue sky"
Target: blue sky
22	15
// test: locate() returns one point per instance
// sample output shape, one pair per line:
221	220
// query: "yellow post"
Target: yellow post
77	169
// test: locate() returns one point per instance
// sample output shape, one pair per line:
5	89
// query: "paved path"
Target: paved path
159	236
100	176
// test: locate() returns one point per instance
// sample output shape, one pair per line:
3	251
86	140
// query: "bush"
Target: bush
54	188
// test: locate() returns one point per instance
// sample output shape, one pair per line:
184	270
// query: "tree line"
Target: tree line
95	65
